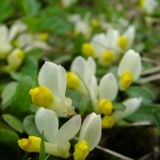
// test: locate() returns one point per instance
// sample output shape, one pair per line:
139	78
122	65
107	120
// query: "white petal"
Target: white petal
131	105
78	66
108	87
62	84
48	76
93	91
129	34
47	121
90	69
91	130
112	38
130	62
68	130
3	33
99	42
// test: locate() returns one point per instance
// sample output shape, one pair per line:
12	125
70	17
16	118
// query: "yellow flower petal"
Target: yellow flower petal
105	106
81	150
30	145
42	96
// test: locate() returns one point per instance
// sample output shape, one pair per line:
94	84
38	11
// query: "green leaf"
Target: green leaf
30	126
8	144
28	7
156	119
144	113
35	53
7	94
13	122
5	126
42	154
79	101
21	100
4	5
143	92
78	42
83	104
30	68
75	96
119	106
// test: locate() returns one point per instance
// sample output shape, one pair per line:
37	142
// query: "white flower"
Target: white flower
148	6
14	59
17	28
104	48
125	40
51	92
103	94
81	25
81	71
131	105
129	68
5	45
90	135
57	140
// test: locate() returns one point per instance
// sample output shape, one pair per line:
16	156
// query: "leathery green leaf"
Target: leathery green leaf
21	101
13	122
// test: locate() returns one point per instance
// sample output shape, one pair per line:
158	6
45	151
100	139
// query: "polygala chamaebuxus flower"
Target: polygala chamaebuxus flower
103	94
51	92
149	6
14	60
81	70
90	135
5	45
131	105
129	69
125	40
57	140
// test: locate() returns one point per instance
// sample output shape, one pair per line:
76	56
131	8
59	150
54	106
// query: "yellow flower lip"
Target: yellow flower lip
43	36
42	96
105	106
125	80
32	144
122	42
108	56
107	122
20	54
72	81
88	50
81	150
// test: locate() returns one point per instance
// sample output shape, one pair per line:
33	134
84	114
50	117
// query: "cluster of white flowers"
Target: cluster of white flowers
106	47
82	79
50	96
15	42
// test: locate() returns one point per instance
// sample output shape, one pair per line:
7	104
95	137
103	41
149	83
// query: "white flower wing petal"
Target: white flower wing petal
68	130
129	34
131	105
130	62
90	69
91	130
78	66
47	121
93	91
108	87
48	77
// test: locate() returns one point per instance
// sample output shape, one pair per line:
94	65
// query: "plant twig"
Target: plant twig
149	60
150	78
114	153
110	152
151	70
